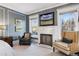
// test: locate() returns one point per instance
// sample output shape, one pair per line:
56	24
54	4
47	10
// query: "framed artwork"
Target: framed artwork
46	19
18	26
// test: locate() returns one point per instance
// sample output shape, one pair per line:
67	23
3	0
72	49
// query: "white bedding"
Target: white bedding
5	49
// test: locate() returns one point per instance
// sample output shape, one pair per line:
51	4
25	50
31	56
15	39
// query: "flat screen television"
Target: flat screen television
47	19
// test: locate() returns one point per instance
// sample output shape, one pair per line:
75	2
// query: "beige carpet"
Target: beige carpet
34	50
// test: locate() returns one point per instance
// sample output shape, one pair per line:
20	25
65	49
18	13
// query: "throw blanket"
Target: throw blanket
5	49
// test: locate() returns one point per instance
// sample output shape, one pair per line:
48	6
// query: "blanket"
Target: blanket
5	49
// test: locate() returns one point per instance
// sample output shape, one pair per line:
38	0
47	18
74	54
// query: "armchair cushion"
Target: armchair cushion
65	40
62	45
27	36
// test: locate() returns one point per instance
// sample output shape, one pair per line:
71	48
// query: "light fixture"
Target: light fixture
2	27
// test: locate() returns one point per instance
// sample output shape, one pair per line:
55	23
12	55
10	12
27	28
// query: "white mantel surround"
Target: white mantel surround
49	30
54	30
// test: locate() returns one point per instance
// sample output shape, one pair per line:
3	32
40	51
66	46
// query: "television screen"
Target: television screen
47	19
48	16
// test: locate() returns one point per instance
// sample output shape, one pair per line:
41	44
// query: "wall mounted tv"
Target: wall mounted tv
46	19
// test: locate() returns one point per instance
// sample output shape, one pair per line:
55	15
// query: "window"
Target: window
34	27
68	21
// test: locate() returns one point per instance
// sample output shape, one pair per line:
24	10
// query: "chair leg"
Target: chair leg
53	49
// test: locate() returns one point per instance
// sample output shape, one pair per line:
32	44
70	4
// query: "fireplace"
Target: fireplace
46	39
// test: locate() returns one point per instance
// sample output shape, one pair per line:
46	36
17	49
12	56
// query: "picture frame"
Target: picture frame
18	25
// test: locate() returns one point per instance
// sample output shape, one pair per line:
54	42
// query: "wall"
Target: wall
50	29
56	30
47	29
12	17
68	8
9	16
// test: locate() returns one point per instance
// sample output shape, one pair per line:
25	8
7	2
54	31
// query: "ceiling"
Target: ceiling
29	8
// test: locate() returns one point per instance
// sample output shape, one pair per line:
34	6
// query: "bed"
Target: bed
6	49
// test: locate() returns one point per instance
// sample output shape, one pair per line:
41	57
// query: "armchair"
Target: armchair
67	47
26	39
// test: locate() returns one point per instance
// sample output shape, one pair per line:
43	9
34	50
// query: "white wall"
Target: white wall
45	29
67	9
56	30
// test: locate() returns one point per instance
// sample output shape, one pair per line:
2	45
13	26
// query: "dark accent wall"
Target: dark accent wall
27	23
9	16
49	11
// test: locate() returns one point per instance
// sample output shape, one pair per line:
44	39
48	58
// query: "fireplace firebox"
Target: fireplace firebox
46	39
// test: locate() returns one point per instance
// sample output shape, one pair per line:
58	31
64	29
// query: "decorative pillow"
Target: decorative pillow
67	40
27	36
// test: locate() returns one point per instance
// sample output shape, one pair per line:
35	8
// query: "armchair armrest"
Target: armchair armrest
73	46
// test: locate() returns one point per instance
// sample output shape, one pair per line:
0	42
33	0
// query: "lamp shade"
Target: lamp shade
2	27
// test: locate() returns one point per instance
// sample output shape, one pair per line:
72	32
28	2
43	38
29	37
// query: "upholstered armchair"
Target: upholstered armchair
68	44
26	39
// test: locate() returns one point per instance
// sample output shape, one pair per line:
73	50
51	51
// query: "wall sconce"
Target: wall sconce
2	27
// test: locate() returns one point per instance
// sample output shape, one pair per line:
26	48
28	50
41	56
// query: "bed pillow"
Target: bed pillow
68	41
